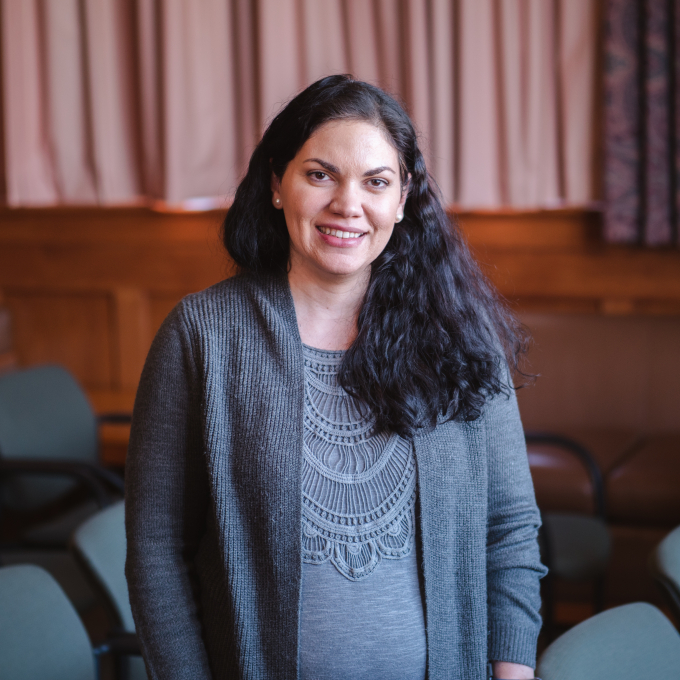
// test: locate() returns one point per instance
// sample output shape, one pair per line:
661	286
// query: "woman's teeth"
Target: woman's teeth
339	234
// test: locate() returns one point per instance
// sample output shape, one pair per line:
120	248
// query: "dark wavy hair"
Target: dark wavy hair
434	339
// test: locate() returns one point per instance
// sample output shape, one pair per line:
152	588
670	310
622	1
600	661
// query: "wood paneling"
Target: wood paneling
556	261
63	327
131	331
618	372
88	288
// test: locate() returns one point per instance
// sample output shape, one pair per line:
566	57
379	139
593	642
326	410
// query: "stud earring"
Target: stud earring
277	201
400	217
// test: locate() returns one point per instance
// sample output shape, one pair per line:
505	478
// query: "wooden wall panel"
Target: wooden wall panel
663	411
620	372
556	261
72	329
131	335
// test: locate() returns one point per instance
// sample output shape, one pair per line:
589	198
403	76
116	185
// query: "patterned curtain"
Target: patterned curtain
642	122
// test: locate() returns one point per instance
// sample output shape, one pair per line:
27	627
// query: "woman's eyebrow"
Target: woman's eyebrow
332	168
377	171
326	166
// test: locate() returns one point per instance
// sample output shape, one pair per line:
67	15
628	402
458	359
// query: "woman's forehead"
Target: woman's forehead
351	141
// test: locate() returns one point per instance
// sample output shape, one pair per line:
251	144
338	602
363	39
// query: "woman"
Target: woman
327	475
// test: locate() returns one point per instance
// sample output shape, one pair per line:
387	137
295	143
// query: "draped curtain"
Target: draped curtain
120	101
642	121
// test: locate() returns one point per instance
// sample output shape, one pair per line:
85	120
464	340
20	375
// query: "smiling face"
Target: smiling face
341	196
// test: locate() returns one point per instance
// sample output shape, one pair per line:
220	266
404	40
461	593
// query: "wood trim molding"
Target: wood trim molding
557	261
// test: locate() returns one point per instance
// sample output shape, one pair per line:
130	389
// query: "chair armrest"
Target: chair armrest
125	644
115	418
108	476
584	456
82	472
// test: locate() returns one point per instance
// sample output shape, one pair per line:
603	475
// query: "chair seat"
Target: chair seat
664	564
625	643
62	566
41	635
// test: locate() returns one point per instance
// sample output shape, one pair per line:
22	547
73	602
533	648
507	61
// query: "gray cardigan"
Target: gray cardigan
213	504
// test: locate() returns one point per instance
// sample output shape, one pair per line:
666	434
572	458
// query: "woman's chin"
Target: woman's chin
342	269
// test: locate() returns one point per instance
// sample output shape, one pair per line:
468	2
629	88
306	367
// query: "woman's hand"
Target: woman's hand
511	671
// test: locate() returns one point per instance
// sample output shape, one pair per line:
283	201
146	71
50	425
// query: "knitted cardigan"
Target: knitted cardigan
213	505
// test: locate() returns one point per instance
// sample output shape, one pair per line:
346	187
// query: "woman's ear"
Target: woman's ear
276	191
405	189
404	195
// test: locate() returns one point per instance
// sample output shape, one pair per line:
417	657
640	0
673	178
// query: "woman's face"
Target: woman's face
341	196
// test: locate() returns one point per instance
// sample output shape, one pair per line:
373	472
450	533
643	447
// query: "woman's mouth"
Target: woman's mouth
339	233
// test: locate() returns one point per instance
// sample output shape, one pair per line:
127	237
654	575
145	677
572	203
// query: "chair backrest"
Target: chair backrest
44	415
99	544
625	643
665	567
41	635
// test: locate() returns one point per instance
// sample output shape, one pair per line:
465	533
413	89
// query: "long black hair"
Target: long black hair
433	337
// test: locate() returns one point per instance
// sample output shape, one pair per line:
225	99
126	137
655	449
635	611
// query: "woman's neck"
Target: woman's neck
327	309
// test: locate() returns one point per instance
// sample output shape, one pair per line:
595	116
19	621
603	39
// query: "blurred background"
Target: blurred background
552	128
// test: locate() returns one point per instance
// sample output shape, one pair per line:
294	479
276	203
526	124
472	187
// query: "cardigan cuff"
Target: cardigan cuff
513	644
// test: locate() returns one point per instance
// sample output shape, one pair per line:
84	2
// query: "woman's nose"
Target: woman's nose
347	200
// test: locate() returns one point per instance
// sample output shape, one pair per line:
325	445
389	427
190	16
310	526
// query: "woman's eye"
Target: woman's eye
318	175
377	182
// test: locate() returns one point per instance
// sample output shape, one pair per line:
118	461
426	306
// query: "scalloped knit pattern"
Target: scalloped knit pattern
358	487
361	604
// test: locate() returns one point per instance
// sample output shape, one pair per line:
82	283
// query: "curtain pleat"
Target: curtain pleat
65	93
442	81
117	101
29	168
578	40
479	155
199	128
109	85
642	132
279	55
360	40
323	47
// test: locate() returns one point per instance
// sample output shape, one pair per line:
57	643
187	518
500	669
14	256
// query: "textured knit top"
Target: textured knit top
360	585
214	516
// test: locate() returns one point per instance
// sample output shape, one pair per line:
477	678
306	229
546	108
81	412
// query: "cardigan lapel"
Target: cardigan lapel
451	492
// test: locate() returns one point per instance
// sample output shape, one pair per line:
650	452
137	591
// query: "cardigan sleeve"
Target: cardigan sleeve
513	563
166	497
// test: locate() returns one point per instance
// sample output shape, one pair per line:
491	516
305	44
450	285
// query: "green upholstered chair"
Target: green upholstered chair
631	642
41	636
99	546
48	448
50	479
664	564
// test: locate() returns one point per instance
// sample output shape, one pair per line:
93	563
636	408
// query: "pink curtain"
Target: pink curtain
123	101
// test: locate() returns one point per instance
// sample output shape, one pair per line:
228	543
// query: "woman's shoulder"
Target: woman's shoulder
241	291
237	302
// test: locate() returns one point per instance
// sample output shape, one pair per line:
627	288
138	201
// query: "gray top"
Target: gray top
213	512
362	610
